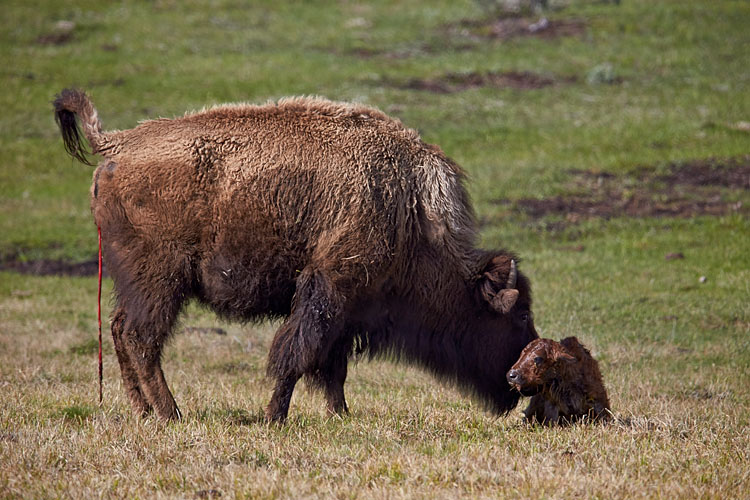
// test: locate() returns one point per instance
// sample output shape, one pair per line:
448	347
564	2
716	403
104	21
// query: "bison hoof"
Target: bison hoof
275	417
175	415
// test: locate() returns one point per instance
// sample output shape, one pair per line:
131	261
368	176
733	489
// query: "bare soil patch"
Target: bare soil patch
457	82
54	39
732	173
50	267
61	34
689	189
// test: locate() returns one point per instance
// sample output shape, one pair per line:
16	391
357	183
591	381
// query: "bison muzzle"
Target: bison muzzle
332	216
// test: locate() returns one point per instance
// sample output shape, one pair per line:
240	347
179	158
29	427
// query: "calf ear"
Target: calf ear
565	358
497	286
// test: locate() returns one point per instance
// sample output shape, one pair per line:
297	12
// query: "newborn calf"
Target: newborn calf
563	381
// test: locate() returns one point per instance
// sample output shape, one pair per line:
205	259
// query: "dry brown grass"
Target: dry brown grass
407	436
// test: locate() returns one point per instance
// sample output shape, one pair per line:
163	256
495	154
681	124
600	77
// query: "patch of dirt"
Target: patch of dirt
54	39
457	82
60	35
637	205
684	190
50	267
509	27
733	173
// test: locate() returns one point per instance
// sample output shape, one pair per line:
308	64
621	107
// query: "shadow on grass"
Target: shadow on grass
231	416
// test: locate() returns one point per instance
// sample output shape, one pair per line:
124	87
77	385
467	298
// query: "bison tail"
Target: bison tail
69	104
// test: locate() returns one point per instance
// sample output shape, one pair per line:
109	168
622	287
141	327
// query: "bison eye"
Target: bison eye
525	317
538	360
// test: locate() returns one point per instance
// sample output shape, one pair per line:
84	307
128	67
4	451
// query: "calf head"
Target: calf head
540	363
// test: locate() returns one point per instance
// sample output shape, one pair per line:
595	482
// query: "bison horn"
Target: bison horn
512	275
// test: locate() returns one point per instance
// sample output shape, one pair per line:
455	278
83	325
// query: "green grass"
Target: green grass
674	351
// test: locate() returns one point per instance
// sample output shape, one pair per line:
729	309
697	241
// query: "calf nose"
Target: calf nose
513	376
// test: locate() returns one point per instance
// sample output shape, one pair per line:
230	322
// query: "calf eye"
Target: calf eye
525	317
538	360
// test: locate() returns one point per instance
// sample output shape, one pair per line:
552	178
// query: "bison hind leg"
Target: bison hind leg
127	368
143	328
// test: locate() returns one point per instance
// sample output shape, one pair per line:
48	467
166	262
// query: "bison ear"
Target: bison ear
497	286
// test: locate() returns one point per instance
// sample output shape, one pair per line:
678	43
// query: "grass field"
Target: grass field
610	149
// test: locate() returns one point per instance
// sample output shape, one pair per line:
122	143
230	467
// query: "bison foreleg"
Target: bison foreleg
278	408
330	377
303	343
334	379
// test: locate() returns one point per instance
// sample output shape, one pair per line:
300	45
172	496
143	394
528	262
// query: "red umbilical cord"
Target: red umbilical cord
99	312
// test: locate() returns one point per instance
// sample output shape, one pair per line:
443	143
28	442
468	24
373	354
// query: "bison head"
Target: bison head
499	328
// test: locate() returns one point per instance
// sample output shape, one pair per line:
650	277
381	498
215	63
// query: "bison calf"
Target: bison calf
332	216
563	380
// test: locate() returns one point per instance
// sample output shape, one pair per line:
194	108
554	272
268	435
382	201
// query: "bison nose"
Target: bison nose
513	376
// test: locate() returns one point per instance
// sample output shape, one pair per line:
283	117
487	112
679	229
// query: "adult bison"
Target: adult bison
333	216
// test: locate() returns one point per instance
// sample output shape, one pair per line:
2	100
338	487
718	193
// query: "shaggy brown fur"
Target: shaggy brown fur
333	216
563	380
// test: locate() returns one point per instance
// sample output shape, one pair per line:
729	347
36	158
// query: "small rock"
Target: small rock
702	279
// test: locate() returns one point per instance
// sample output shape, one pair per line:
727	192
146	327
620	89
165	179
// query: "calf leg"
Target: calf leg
535	410
542	410
127	370
551	413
